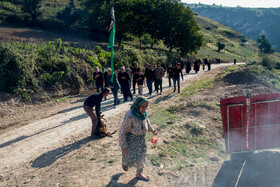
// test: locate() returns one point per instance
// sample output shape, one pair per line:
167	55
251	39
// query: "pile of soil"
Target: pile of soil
242	77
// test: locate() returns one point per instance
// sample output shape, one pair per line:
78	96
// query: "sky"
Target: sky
242	3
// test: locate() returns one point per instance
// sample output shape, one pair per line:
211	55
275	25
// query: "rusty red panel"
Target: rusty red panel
236	111
266	97
262	113
235	116
263	130
274	115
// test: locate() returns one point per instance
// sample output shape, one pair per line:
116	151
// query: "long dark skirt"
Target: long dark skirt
137	152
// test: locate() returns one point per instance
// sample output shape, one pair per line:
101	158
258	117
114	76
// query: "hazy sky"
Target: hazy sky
242	3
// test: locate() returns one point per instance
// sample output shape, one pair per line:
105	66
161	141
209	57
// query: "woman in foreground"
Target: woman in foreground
132	137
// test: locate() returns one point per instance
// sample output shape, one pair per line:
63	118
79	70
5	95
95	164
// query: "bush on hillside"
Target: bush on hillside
268	63
30	68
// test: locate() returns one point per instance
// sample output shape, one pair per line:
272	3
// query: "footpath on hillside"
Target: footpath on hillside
38	146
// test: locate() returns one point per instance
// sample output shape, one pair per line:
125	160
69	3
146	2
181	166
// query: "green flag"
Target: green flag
112	32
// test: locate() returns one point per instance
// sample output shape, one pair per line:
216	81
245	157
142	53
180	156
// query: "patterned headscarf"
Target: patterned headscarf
136	108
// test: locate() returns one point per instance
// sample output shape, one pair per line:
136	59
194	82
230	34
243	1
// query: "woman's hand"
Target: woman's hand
125	151
154	131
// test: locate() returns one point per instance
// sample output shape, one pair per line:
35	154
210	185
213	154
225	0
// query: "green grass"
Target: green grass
111	161
197	86
155	160
62	99
271	76
80	157
163	119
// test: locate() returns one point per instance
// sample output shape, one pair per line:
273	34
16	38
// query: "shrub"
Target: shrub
11	69
196	130
266	62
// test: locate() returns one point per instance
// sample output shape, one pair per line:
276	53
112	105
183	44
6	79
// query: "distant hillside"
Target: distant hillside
236	45
252	22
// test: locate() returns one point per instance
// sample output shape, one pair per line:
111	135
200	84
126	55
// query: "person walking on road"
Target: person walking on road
115	86
132	137
135	73
176	76
99	79
149	75
170	74
158	73
128	70
124	79
197	65
188	66
95	101
140	82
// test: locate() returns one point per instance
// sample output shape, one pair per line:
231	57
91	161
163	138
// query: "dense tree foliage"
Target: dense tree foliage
166	20
220	46
32	8
264	45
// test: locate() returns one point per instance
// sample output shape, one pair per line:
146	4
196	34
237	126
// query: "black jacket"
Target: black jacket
94	100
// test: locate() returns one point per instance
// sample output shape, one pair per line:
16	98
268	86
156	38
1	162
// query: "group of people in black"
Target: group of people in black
197	63
127	78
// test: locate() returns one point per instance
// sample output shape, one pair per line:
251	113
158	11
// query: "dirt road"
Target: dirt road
38	145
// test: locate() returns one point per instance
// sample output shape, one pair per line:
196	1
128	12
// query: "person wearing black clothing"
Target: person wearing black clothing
115	86
135	73
140	82
98	77
124	79
149	75
95	101
170	73
163	66
188	67
205	63
234	61
197	65
176	76
158	74
155	82
209	65
105	77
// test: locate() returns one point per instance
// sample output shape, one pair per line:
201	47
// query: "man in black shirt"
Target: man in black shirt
135	73
170	73
124	79
98	77
105	77
149	75
176	76
140	82
90	102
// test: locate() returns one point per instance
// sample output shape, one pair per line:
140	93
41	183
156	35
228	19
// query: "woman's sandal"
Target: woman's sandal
143	178
125	168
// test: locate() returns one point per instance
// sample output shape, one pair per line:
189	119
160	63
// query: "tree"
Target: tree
220	46
264	45
166	20
32	7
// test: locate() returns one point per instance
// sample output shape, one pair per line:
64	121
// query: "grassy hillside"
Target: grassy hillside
251	22
236	45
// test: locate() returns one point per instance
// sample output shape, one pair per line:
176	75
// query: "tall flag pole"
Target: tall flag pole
112	33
